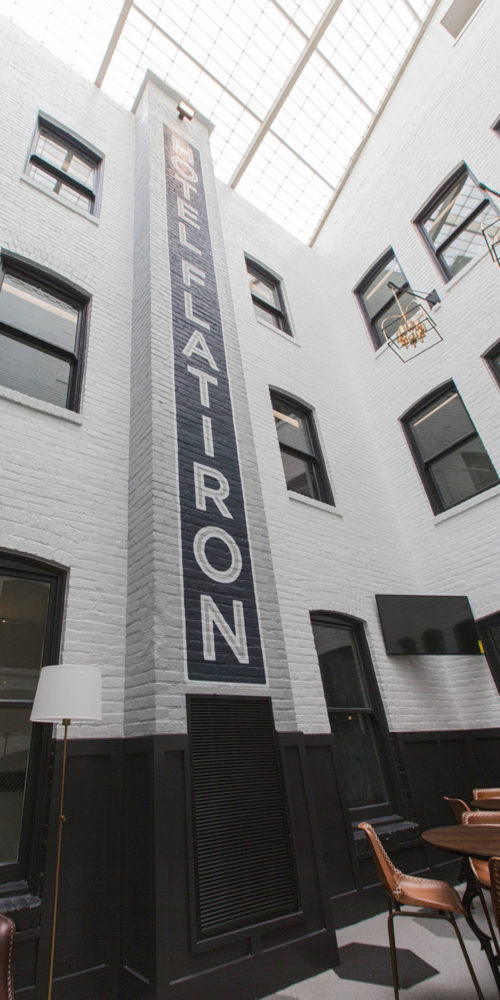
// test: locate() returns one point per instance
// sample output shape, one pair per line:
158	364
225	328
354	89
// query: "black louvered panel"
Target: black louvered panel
244	867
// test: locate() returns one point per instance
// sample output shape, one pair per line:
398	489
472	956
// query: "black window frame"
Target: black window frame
491	648
393	805
360	291
53	130
492	358
279	313
26	873
314	460
76	298
437	251
422	465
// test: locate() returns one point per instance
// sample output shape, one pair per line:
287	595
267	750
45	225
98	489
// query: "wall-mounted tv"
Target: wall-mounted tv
420	624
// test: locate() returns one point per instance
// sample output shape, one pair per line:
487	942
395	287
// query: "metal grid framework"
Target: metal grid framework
293	87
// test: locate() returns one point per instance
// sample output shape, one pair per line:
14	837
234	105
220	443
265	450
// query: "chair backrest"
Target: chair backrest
486	793
481	817
494	866
457	806
7	933
388	874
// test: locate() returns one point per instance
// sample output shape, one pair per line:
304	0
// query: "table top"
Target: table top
489	804
478	841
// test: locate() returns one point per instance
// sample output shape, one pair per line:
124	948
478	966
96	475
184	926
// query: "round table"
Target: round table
492	805
478	842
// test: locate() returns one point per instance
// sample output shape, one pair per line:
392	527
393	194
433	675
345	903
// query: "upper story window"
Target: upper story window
30	624
356	715
267	297
449	454
458	15
42	332
493	359
63	164
377	299
452	222
300	452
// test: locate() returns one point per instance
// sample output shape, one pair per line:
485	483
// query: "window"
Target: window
300	453
489	631
453	220
449	454
30	624
63	164
42	328
356	714
377	299
267	297
493	359
458	14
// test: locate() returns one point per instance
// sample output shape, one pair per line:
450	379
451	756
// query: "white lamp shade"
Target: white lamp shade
68	692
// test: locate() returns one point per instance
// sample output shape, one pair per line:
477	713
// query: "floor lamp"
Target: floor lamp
65	694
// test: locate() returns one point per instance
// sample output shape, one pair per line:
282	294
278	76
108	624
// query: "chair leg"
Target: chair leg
452	920
394	960
488	919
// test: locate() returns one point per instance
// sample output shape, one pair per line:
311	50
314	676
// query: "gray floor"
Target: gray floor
430	962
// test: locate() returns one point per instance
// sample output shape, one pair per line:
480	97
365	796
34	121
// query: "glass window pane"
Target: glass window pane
292	426
300	475
266	315
31	309
462	199
440	424
463	472
34	372
15	735
65	191
495	638
469	243
494	363
377	294
58	155
341	670
23	614
264	290
362	774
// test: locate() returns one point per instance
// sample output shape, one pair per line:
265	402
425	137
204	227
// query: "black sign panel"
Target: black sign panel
221	620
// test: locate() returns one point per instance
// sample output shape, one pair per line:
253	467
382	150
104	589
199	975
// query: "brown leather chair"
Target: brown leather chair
407	890
7	933
494	867
458	807
486	793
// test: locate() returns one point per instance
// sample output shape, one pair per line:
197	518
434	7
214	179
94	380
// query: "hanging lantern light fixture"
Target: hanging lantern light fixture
410	330
491	232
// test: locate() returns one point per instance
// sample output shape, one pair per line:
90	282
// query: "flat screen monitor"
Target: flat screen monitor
420	624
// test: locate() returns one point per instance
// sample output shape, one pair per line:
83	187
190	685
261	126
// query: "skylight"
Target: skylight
291	86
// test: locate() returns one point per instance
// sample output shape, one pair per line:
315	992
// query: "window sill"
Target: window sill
312	502
40	405
460	508
59	201
276	329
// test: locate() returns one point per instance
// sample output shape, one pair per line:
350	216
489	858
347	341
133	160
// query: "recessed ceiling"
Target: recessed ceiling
292	86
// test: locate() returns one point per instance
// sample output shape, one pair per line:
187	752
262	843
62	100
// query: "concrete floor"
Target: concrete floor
434	970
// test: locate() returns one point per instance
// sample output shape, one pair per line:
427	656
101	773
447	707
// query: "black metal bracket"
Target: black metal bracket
432	298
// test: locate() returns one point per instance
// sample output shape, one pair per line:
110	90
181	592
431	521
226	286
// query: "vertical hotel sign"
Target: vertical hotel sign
220	611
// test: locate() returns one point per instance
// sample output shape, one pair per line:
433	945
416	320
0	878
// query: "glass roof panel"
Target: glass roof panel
232	60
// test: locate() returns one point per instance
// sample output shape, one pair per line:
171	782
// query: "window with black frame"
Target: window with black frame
65	166
42	334
453	221
493	359
489	631
377	300
356	715
267	297
450	456
303	464
30	624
